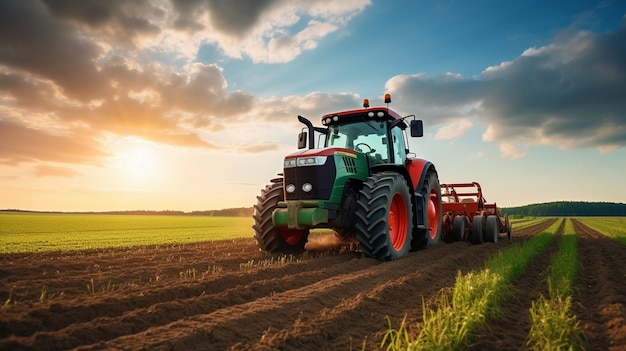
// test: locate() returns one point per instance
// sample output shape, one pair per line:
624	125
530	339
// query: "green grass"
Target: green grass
614	227
474	298
41	232
527	222
553	325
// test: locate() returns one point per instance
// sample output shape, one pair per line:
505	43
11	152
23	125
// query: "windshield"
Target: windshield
368	137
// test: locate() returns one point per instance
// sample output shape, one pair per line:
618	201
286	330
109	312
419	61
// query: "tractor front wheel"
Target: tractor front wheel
268	237
384	217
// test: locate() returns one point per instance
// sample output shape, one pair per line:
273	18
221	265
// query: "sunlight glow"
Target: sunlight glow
138	159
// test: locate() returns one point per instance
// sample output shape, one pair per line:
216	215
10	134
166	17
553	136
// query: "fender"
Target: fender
417	169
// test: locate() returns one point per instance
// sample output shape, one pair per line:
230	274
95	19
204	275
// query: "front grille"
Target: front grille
350	163
321	177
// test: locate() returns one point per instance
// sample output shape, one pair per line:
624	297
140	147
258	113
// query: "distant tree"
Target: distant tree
568	209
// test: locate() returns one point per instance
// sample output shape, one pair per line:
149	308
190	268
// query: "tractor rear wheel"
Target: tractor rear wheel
384	217
478	223
431	192
491	229
268	237
458	228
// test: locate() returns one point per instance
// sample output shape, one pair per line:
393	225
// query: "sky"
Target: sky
192	105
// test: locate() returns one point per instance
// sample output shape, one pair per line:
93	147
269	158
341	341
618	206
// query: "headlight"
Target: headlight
290	163
311	161
290	188
307	187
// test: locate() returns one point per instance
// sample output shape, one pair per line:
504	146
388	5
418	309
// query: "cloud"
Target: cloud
569	94
269	31
116	21
258	147
453	129
311	106
22	144
49	50
74	72
51	171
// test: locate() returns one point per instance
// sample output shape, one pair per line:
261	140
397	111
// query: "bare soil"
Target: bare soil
228	295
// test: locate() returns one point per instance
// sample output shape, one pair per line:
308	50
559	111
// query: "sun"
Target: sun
138	159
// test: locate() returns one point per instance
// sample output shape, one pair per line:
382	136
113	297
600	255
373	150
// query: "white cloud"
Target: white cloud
568	94
453	129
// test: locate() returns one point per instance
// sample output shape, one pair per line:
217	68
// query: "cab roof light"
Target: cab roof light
366	103
387	98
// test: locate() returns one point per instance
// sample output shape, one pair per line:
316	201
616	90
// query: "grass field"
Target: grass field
39	232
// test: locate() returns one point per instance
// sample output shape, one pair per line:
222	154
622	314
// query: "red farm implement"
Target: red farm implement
468	216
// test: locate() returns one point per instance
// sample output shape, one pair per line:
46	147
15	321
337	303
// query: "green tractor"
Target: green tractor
363	184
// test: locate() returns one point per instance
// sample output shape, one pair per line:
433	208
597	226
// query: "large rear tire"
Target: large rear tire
431	192
268	237
478	225
384	217
491	229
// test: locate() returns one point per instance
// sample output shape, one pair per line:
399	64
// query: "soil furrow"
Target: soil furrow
59	314
428	261
423	277
251	300
236	286
600	293
510	330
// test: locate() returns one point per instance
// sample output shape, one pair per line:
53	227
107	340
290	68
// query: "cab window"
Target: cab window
369	138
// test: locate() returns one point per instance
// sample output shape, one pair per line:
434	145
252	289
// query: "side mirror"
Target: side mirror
302	136
417	128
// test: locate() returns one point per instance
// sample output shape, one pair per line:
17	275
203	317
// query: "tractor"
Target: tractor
362	182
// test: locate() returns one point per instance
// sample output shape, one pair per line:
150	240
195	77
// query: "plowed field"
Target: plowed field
228	295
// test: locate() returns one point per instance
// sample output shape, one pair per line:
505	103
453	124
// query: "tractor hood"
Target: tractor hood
320	174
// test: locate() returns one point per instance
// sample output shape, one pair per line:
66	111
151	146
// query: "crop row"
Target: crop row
476	296
520	223
474	299
614	227
553	325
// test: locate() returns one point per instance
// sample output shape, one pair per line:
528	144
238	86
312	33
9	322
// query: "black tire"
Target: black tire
268	237
384	217
478	225
491	229
423	237
458	228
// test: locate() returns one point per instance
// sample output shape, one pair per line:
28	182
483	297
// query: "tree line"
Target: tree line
568	209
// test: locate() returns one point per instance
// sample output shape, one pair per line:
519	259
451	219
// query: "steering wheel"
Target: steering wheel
363	150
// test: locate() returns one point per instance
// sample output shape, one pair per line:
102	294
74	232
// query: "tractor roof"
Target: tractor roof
374	113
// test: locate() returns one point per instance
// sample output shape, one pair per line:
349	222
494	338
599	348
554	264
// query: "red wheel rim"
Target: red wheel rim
291	236
398	221
433	215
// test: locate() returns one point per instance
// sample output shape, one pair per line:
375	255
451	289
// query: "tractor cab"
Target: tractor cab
377	132
372	137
